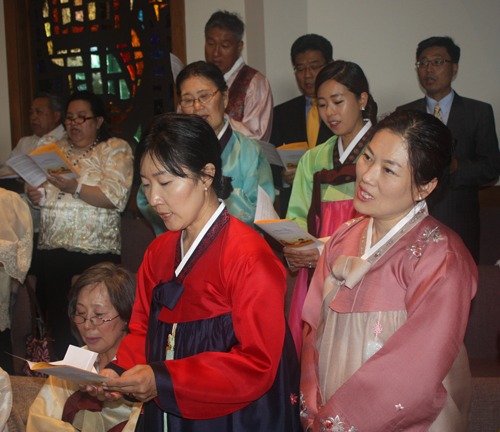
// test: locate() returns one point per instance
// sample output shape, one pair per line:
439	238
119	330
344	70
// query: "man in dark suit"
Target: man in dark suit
476	157
309	54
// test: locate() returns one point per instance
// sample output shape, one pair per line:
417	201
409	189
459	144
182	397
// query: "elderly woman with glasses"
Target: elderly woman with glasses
80	218
203	91
100	304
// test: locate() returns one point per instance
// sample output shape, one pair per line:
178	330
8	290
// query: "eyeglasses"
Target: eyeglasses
302	69
435	63
77	120
203	99
95	320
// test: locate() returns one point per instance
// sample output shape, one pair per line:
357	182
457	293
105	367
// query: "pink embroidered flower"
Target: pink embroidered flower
293	398
399	407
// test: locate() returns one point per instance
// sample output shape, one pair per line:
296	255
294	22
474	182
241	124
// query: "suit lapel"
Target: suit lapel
456	119
300	119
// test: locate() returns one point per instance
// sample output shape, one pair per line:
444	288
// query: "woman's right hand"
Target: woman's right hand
33	193
302	258
288	176
99	392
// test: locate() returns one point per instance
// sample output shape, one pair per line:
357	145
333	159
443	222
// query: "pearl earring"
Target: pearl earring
206	189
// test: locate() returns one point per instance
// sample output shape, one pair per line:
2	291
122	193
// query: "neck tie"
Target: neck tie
313	124
437	110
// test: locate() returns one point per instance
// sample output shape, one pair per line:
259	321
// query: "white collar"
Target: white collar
370	250
57	132
236	65
198	239
344	154
226	125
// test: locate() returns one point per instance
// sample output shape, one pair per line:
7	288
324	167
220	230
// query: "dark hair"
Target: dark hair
96	106
428	141
205	70
312	42
55	102
119	282
352	76
226	21
440	41
182	141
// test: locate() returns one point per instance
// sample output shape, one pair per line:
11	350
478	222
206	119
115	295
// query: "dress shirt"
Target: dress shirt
445	105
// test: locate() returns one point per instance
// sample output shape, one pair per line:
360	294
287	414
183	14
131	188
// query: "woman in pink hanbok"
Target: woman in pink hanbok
387	309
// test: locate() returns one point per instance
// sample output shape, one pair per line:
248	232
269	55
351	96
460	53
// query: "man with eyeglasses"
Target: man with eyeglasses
476	157
297	120
250	107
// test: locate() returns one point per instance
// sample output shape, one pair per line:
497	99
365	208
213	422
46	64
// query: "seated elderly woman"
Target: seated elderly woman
208	348
203	91
387	309
100	304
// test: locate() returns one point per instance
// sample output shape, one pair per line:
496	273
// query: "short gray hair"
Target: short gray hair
55	102
226	21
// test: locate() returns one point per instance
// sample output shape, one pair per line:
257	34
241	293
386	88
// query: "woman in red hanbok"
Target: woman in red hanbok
387	309
209	348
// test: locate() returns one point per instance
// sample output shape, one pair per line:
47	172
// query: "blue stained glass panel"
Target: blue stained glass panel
155	38
157	54
159	71
41	66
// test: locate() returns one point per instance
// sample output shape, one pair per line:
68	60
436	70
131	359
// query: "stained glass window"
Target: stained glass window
126	63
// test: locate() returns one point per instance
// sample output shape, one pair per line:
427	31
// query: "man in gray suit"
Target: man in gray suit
476	157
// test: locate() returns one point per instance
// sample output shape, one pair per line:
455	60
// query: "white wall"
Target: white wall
380	35
5	139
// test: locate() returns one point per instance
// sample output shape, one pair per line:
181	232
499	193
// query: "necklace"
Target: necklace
84	154
61	193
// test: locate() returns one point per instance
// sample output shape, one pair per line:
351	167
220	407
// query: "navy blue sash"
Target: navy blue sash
167	294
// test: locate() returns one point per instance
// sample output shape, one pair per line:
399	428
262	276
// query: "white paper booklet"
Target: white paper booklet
77	366
285	231
46	160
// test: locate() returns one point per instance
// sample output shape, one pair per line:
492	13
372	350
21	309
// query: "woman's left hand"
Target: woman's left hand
66	185
138	382
302	258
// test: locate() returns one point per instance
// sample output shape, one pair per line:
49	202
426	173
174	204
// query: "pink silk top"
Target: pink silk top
410	381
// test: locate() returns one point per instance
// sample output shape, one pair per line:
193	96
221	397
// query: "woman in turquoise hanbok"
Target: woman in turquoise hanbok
202	90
